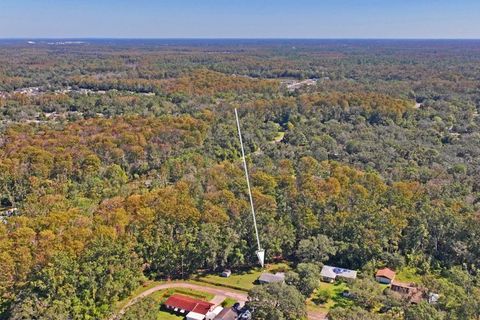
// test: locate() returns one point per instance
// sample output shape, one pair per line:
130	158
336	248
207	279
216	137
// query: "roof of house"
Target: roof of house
403	284
227	314
212	314
333	272
270	277
188	304
416	297
386	273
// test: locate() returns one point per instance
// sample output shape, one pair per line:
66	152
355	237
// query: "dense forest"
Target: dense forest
120	161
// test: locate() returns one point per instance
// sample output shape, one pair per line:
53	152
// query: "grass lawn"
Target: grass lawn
242	280
408	274
228	302
336	299
279	136
162	295
162	315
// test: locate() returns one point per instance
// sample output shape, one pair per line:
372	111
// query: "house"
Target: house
410	290
214	313
194	309
385	276
227	314
330	274
271	278
226	273
402	287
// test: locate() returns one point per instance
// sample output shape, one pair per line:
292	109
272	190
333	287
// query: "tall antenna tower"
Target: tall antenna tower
260	252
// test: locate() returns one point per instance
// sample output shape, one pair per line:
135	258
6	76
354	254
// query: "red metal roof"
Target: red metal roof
188	304
386	273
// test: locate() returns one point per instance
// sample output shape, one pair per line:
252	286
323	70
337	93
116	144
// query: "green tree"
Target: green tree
276	301
306	278
366	293
423	311
354	313
145	309
316	249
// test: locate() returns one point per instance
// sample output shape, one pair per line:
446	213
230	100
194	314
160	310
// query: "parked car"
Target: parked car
346	294
247	315
236	306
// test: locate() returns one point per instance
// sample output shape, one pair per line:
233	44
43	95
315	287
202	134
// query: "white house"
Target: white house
330	274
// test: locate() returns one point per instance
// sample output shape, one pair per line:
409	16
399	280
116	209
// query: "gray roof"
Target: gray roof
270	277
227	314
334	272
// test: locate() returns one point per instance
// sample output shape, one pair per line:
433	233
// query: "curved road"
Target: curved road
220	295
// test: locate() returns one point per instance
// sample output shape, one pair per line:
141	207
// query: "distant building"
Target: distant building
433	298
385	276
193	309
330	274
7	214
226	273
271	278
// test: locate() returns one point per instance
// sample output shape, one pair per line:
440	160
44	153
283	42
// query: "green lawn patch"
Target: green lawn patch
163	315
229	302
327	296
279	136
162	295
244	280
408	274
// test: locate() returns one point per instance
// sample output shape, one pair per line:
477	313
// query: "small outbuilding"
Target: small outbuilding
226	273
271	278
385	276
433	298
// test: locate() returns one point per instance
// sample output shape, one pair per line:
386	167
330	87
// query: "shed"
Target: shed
433	298
385	276
226	273
271	278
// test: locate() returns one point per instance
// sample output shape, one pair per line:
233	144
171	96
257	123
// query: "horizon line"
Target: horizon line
229	38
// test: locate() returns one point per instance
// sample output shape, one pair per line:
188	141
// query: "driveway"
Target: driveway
220	295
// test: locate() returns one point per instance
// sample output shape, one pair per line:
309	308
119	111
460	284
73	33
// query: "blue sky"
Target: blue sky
240	18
